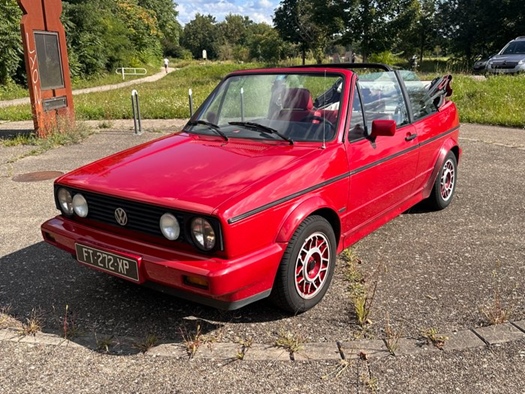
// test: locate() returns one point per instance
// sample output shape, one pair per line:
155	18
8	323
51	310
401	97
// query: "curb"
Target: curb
482	337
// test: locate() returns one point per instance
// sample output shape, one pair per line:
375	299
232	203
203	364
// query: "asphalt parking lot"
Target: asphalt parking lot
442	271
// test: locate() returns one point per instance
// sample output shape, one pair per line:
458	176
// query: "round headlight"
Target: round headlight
202	233
169	226
80	205
65	201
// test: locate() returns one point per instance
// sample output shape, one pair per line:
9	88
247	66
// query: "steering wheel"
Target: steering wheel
311	118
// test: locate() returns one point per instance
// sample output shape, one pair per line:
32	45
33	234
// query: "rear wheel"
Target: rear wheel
307	266
445	184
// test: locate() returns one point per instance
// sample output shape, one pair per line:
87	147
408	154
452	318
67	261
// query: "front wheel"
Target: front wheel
445	184
307	266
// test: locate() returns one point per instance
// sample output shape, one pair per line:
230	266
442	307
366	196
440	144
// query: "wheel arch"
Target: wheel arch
313	206
449	146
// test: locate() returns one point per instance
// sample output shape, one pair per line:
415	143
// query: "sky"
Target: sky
257	10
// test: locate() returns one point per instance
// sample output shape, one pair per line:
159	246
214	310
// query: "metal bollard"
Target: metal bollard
136	112
190	97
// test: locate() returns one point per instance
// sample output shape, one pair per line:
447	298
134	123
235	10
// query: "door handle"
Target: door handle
410	137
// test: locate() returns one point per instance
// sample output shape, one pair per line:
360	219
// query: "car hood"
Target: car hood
201	174
508	58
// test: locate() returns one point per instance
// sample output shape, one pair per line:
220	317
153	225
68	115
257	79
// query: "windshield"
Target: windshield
282	107
514	47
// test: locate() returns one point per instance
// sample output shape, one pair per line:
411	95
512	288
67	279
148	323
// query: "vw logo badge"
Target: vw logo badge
121	216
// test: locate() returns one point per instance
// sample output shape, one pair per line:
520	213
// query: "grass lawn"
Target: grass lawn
497	100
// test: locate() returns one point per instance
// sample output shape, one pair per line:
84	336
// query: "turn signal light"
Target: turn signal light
197	281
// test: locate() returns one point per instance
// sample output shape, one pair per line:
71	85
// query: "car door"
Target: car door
382	170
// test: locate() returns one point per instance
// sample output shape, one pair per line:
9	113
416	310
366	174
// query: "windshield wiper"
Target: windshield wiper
261	128
212	126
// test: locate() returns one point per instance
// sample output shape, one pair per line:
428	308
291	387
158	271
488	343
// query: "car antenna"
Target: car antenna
324	121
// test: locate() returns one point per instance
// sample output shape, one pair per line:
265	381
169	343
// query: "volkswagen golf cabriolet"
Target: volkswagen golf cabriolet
277	172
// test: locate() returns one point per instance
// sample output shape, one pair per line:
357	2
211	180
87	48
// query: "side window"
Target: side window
357	129
421	101
383	98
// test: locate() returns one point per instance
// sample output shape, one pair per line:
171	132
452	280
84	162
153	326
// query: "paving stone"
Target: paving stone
318	351
413	346
360	347
41	338
520	324
462	340
8	334
500	333
175	350
266	352
218	351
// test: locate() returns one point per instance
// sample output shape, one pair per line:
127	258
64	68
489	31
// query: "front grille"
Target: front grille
141	217
506	66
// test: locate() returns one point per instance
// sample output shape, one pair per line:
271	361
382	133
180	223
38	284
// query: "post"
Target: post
242	104
190	96
136	112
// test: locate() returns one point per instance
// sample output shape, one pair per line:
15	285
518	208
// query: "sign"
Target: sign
47	65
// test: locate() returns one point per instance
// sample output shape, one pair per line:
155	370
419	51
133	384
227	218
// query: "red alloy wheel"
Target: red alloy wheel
311	266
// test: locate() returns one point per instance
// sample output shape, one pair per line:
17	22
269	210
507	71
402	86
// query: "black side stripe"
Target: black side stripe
338	178
287	198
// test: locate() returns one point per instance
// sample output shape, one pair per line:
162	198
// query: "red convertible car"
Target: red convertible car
277	172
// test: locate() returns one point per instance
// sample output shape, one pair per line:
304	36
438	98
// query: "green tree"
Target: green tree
10	40
166	15
370	24
98	41
490	25
143	28
201	34
264	43
233	32
415	28
298	22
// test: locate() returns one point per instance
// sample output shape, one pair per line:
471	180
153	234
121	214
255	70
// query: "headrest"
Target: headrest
298	98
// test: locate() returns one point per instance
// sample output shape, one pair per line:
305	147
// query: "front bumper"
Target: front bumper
229	284
515	70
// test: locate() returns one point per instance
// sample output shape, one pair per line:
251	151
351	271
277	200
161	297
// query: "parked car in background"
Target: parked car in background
510	60
480	65
277	172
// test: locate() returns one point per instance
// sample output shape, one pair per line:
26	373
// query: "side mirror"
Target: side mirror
384	127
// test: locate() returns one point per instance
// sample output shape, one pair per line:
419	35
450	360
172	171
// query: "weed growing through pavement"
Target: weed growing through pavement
245	345
4	315
392	337
69	326
105	124
362	290
65	133
371	383
33	323
341	367
496	312
104	344
290	341
148	342
193	341
432	336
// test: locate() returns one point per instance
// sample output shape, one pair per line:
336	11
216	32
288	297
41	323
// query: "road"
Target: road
438	270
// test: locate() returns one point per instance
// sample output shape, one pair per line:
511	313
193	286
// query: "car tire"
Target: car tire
307	266
445	184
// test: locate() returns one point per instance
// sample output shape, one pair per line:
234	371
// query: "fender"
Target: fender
298	213
448	145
